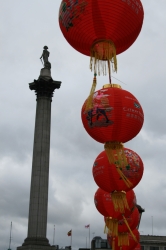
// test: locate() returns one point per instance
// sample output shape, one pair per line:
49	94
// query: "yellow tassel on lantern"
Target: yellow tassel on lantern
116	155
125	221
111	226
113	244
123	239
89	102
120	202
101	52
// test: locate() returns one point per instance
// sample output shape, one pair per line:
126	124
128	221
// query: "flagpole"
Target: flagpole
10	235
89	236
71	239
54	236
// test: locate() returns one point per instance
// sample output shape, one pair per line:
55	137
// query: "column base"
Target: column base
36	247
33	243
39	241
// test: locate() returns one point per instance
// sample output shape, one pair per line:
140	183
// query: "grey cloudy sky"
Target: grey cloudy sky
25	27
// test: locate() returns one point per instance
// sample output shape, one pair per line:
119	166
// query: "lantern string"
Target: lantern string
129	228
119	80
109	71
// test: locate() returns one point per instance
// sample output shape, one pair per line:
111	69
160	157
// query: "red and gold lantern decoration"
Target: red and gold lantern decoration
120	244
104	204
125	225
116	115
112	116
132	222
107	176
101	29
138	247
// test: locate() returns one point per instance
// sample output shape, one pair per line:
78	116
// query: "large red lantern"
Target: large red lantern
101	29
116	115
105	206
107	177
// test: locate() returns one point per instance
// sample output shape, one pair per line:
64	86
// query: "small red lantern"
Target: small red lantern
116	115
125	225
108	178
101	29
131	244
105	206
132	221
138	247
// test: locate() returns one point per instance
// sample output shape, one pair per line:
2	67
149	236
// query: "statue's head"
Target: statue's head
45	47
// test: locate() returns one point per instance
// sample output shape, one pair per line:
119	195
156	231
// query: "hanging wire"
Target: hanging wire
109	71
119	80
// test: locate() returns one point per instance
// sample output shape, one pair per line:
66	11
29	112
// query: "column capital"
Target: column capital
44	88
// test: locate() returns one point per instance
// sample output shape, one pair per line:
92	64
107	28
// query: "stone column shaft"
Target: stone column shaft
37	223
40	170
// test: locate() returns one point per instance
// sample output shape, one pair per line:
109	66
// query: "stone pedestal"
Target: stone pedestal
45	74
35	247
37	223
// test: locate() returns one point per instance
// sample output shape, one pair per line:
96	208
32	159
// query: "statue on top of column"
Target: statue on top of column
45	55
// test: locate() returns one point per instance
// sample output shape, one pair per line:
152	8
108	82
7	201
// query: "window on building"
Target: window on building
154	248
103	244
98	244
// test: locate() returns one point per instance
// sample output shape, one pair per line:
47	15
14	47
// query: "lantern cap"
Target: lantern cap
113	85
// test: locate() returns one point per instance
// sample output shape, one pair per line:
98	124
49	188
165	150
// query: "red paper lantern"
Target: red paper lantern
116	115
126	224
107	177
88	23
132	219
132	242
105	206
138	247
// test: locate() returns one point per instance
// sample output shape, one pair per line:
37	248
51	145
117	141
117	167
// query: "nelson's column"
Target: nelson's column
37	223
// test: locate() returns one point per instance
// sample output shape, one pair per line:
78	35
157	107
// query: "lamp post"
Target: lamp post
152	224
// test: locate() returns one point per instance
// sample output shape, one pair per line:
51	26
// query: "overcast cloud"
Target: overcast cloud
25	27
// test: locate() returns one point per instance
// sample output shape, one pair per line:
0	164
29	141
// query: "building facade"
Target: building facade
148	242
153	242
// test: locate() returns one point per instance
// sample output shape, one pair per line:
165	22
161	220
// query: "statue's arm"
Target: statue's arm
41	56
